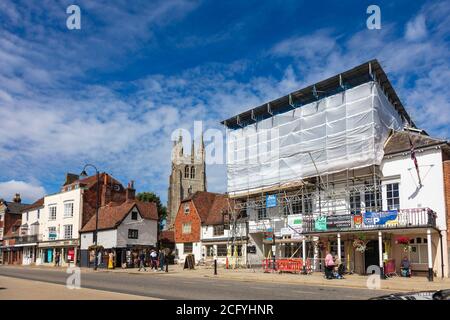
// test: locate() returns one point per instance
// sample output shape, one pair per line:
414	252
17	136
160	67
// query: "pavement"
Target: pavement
196	284
257	275
20	289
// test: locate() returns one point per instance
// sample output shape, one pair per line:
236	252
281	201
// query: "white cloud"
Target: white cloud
29	192
416	29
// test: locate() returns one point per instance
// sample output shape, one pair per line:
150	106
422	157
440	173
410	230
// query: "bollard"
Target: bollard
167	267
215	267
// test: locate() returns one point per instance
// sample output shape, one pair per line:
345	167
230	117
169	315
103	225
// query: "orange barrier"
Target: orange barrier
294	265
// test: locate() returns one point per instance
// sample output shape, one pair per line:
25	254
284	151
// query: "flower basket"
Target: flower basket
404	242
359	243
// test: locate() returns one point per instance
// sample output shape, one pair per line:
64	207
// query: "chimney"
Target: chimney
105	196
70	178
130	192
17	198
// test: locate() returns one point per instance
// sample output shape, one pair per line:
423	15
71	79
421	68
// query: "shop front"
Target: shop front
63	252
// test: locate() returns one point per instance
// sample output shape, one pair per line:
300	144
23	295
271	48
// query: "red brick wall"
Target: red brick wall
192	217
446	165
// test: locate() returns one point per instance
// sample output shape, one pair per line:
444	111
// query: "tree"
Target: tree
152	197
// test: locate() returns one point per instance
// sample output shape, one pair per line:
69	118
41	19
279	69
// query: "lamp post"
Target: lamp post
84	174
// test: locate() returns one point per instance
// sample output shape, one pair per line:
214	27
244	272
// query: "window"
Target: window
297	207
392	196
39	214
355	202
262	213
239	250
419	250
52	233
133	234
221	250
187	247
134	215
192	172
52	213
186	208
27	216
68	231
218	230
209	251
186	172
68	210
370	203
186	228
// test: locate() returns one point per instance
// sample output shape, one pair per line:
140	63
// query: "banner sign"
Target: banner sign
271	201
380	218
339	222
320	224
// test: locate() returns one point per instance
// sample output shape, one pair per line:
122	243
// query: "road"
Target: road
164	286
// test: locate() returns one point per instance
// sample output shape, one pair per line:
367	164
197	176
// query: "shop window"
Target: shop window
262	213
392	196
133	234
187	228
187	247
209	251
221	250
218	230
239	250
355	202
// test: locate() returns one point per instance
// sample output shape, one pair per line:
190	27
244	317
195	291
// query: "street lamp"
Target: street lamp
84	174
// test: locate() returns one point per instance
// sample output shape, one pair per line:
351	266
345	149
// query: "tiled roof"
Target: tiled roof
91	180
14	207
37	204
111	215
167	235
399	141
210	206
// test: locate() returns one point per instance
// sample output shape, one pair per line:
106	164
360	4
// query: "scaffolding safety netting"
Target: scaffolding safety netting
341	131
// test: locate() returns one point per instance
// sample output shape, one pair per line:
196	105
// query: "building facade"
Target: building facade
188	175
30	232
348	173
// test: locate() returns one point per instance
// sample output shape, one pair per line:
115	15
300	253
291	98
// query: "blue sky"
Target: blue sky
113	92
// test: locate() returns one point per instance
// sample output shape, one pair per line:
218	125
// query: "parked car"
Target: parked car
419	295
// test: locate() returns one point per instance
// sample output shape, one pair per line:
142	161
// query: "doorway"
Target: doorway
371	256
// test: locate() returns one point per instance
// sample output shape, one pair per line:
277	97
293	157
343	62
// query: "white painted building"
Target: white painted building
30	232
125	229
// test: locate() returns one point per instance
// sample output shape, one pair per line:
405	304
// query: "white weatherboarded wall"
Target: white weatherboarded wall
147	231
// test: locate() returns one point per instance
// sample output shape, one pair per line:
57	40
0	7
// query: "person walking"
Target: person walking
162	260
142	261
154	257
57	257
111	260
329	265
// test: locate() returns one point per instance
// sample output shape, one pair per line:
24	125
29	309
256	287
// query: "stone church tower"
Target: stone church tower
187	177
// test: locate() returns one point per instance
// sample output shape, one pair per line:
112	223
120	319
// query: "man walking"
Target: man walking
162	260
142	261
154	258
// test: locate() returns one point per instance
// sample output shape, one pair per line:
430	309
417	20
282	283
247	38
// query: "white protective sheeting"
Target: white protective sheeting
345	130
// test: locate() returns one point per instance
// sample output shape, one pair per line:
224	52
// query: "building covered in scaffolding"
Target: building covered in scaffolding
340	167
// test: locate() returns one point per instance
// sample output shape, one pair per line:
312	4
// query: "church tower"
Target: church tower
188	176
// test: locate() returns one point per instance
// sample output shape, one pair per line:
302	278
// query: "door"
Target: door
371	256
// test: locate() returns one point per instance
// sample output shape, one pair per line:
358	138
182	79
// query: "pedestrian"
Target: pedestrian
154	257
329	265
111	260
57	259
99	258
142	261
162	260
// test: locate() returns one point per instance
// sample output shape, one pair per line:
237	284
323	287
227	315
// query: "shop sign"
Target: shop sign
271	201
357	221
339	222
295	223
320	224
70	254
380	218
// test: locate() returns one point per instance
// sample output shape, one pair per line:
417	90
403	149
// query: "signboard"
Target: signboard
295	223
339	222
357	221
380	218
268	235
286	231
70	254
271	201
320	224
251	249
